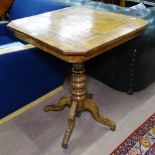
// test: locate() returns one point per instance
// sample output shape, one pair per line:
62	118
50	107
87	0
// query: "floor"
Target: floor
38	133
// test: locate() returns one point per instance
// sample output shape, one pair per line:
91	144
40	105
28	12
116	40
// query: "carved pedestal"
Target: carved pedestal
79	101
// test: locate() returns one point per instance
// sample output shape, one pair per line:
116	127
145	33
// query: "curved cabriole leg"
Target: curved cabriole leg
64	101
94	110
71	123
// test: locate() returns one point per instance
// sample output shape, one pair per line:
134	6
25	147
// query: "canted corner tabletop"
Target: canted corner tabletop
76	34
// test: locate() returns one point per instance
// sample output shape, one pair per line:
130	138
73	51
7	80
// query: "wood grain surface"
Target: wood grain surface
76	34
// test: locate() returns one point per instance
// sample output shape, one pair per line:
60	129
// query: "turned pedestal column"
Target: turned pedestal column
79	101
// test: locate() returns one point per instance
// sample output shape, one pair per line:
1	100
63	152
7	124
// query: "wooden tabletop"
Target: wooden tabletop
76	34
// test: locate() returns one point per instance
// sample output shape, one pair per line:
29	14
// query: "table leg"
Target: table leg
94	110
80	100
64	101
71	123
78	90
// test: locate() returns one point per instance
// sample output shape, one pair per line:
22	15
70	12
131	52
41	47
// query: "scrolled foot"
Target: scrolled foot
66	138
71	123
94	110
64	101
64	145
53	107
110	123
113	126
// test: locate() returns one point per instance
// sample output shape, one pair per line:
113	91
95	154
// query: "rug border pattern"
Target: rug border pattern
130	140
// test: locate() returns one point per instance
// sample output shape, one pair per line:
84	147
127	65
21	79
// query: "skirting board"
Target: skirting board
31	105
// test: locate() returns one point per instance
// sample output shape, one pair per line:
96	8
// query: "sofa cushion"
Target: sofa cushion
25	8
138	7
27	75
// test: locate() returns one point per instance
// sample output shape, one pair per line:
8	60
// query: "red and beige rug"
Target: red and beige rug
140	142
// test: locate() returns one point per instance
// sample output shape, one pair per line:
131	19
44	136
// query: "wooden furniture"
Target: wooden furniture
76	34
4	6
117	2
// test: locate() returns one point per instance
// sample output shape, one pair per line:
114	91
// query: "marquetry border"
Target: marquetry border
134	136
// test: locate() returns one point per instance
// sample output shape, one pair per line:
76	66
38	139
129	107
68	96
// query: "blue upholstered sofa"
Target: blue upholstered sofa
27	73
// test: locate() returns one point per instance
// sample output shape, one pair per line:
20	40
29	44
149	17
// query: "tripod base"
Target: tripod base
78	102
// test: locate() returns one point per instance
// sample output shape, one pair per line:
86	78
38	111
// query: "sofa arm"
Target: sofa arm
27	75
16	49
4	22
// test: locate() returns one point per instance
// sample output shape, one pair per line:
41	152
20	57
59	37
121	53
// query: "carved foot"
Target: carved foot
71	123
64	101
94	110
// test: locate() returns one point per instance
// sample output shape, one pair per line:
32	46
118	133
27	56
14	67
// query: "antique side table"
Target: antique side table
76	34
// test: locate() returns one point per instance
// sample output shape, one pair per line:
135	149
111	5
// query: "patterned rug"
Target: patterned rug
140	142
